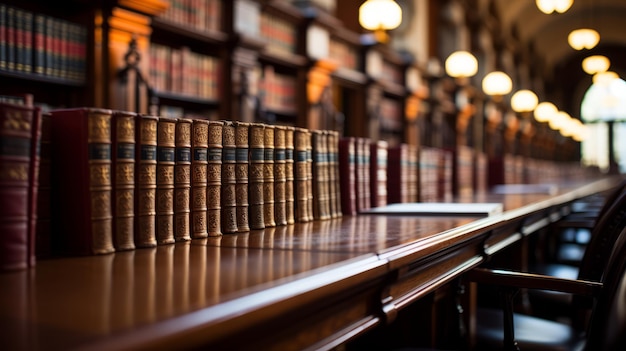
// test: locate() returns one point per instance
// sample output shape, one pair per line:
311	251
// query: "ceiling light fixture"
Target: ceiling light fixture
524	101
497	83
550	6
584	38
380	16
461	64
596	64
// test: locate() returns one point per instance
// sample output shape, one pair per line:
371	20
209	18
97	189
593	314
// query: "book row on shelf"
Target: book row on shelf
39	44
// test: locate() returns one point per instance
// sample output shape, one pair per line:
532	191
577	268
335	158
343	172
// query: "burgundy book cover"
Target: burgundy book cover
33	185
347	175
44	216
378	172
81	155
397	174
16	133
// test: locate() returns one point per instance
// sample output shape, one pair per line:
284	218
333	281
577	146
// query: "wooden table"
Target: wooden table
304	286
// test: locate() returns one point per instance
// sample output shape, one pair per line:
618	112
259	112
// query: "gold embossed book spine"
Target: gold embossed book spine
268	177
319	176
214	178
280	176
166	161
199	145
335	191
124	179
82	176
309	174
182	180
229	179
300	175
241	174
255	186
145	181
289	176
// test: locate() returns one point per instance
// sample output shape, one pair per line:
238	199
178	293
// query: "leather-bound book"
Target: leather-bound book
378	172
17	128
44	205
255	186
123	150
280	214
214	179
320	176
268	177
145	181
309	174
229	179
398	173
241	174
33	180
300	175
199	145
414	172
182	180
289	176
333	173
347	175
82	184
363	174
166	160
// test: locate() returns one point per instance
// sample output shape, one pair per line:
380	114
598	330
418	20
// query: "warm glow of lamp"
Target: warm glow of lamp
549	6
596	64
604	78
524	101
461	64
497	83
380	16
559	120
583	38
544	111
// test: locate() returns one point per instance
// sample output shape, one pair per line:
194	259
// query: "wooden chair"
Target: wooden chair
600	295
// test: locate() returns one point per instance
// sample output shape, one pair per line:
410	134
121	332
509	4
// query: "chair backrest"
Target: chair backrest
607	330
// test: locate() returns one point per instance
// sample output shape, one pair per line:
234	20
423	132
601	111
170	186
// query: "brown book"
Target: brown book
333	173
321	196
309	175
347	176
378	173
81	155
199	145
182	180
289	176
280	210
166	160
214	178
241	174
124	180
413	174
300	175
268	176
44	193
145	181
363	174
229	179
255	186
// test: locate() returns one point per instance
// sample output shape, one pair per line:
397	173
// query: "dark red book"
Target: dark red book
378	172
363	191
82	178
398	174
347	175
19	125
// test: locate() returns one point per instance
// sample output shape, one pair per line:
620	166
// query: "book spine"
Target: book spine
268	176
300	175
43	248
3	36
229	179
309	174
10	38
166	161
199	144
39	49
289	176
16	124
124	152
333	174
145	181
182	180
241	174
280	176
319	176
214	178
255	186
33	187
347	176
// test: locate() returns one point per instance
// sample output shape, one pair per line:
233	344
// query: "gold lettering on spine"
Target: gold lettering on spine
229	179
268	177
182	181
145	231
255	187
241	175
199	143
214	178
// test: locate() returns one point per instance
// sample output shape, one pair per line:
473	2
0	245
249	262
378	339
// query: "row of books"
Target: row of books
201	15
278	90
40	44
280	34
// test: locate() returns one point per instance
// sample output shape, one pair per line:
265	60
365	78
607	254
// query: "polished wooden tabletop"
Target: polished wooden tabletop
213	288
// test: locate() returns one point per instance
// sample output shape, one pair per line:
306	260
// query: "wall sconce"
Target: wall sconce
549	6
461	64
524	101
544	111
583	38
596	64
380	16
497	84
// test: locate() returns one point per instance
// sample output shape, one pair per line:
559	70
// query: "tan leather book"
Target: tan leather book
182	180
335	188
214	178
280	211
145	181
199	145
255	176
229	179
320	204
301	175
123	154
241	175
268	176
289	176
309	175
166	160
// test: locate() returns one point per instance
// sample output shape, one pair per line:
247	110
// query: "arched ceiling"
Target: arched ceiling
547	35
